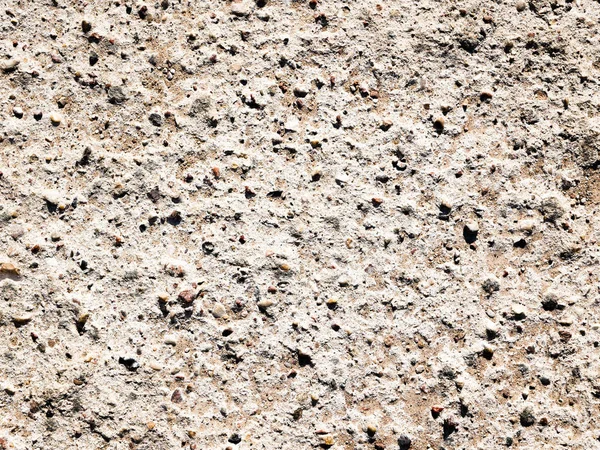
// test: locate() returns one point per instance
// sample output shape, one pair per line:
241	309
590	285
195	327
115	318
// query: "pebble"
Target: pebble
18	112
488	351
526	225
292	124
521	5
81	321
491	329
218	310
386	125
187	296
156	366
240	9
472	227
301	91
37	115
265	304
445	209
156	119
327	440
10	65
491	285
550	301
130	363
177	397
235	438
344	280
86	26
170	339
305	357
518	311
117	96
342	179
52	196
404	442
486	95
566	321
56	119
93	59
526	417
22	319
9	268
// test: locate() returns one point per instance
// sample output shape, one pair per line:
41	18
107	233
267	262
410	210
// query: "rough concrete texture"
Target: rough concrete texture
293	225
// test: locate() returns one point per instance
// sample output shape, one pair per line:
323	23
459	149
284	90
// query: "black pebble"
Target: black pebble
235	438
404	442
129	363
156	119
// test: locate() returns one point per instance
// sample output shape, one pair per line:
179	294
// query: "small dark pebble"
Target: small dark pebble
404	442
116	95
235	438
208	248
156	119
93	58
86	26
154	195
550	303
129	363
526	417
174	218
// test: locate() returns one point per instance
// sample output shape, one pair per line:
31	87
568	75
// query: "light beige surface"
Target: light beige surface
285	225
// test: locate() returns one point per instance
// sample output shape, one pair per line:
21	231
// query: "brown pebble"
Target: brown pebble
377	201
187	296
9	268
176	397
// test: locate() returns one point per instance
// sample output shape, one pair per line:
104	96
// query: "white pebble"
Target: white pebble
56	118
